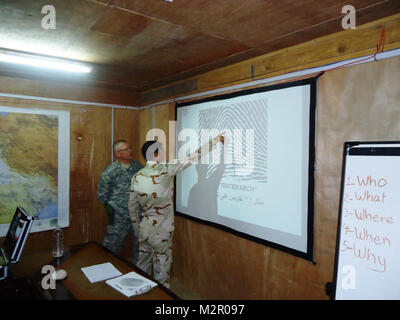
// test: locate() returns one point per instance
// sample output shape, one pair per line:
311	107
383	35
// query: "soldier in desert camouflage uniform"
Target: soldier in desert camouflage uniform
152	190
113	191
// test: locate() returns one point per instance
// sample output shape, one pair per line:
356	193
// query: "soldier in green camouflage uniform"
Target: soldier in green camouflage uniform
113	191
152	189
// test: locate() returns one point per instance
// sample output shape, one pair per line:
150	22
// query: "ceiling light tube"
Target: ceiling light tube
44	63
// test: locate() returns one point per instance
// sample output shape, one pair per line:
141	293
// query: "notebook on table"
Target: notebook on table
131	284
101	272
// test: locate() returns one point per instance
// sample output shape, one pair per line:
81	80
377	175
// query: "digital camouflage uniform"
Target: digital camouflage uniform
113	190
152	190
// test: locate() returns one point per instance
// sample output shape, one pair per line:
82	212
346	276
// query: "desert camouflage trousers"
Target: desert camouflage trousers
117	232
155	253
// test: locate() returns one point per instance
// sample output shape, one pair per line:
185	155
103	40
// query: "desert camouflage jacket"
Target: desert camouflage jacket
152	190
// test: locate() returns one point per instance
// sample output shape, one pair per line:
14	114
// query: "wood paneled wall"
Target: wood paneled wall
354	103
90	149
348	44
67	91
360	102
157	117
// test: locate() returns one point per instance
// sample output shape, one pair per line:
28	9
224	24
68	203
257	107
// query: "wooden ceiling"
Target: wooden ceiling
143	44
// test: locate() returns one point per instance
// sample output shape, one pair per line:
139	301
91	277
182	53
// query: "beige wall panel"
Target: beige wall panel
145	124
126	126
162	118
68	91
355	103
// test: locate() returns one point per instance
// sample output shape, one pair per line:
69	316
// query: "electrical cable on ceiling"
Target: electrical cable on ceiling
291	75
380	48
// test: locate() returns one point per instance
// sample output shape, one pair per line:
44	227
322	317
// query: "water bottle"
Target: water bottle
58	243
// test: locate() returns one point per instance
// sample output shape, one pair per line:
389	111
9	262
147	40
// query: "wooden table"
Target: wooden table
76	285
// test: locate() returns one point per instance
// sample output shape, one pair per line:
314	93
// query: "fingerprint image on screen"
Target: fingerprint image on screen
236	119
257	183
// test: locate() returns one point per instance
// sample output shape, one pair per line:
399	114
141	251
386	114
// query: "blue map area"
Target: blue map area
4	173
49	211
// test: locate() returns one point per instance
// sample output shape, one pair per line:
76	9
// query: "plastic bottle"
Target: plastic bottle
58	242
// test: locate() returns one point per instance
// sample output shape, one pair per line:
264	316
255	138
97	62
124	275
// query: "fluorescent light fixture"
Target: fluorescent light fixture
44	63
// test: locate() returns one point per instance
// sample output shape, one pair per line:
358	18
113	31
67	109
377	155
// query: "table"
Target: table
26	275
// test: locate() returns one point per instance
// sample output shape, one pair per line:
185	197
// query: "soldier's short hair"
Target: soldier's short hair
149	148
117	143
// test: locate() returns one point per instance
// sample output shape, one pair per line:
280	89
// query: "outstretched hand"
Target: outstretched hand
220	138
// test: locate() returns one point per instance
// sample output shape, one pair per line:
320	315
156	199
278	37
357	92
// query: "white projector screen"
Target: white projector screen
260	183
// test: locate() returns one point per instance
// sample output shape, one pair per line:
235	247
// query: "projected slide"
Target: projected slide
257	182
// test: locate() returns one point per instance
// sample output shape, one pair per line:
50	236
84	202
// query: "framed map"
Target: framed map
34	166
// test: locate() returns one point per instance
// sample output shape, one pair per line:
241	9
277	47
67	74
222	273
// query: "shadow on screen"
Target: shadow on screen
203	195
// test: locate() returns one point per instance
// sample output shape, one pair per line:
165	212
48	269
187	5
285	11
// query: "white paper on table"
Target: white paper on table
100	272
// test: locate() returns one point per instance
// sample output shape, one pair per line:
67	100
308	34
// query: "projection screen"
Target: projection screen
260	183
